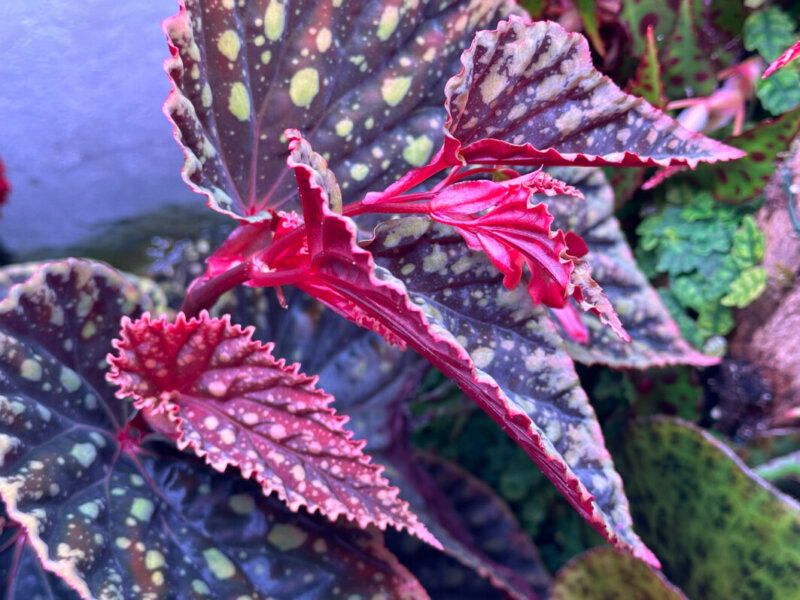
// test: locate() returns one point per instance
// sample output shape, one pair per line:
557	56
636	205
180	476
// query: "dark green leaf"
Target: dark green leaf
720	531
607	574
362	80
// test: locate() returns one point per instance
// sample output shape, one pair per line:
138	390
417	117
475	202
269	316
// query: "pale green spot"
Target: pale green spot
88	330
69	379
137	480
142	509
388	22
84	453
89	509
157	578
259	40
418	151
394	89
266	56
369	123
286	537
274	20
304	87
324	39
205	96
200	587
239	101
229	44
123	543
219	564
344	127
30	370
242	504
359	171
153	559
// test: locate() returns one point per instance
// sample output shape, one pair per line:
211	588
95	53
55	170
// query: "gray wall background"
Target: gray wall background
81	129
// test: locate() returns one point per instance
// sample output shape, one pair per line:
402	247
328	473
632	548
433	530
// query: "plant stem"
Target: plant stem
202	294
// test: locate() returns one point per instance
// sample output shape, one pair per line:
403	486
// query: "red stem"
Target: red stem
203	293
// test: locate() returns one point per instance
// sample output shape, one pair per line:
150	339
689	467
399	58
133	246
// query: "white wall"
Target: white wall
81	128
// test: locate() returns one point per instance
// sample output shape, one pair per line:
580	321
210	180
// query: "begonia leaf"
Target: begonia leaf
607	574
528	95
511	361
474	525
113	519
784	59
362	80
657	15
372	382
588	11
780	92
688	69
647	81
746	178
655	338
681	479
231	401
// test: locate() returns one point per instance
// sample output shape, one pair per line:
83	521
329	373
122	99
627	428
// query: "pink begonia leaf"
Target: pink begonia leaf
656	340
528	95
232	402
782	60
345	277
513	233
363	81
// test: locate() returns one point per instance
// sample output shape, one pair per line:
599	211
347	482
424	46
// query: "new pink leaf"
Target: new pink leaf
230	401
528	94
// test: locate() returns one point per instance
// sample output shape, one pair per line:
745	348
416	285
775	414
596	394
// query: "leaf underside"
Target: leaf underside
361	79
112	521
529	95
232	402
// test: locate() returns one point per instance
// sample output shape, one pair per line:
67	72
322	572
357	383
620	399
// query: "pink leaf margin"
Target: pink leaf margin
783	60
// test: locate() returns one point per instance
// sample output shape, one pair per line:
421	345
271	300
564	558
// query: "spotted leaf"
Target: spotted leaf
655	338
507	356
233	403
688	68
116	516
363	80
528	95
682	479
606	574
647	81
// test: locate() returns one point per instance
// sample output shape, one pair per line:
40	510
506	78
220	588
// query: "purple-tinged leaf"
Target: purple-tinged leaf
363	80
605	573
647	82
232	402
511	361
655	338
688	69
115	521
528	95
783	60
5	187
475	526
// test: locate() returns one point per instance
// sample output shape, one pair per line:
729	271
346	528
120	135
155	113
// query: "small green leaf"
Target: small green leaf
607	574
748	243
688	70
769	32
715	319
719	531
718	280
780	91
688	291
647	82
746	287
